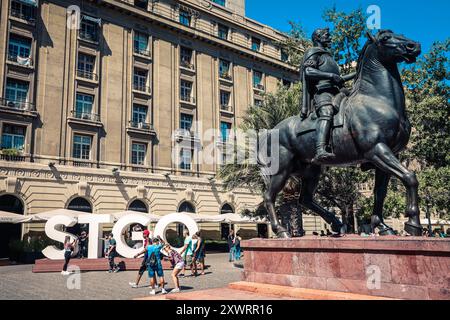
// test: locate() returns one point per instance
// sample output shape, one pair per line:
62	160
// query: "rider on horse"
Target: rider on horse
321	81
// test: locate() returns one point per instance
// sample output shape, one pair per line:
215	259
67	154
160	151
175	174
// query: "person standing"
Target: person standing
143	267
154	265
177	264
83	245
111	254
187	252
237	246
199	255
69	247
231	246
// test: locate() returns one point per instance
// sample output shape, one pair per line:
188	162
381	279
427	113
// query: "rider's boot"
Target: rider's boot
323	130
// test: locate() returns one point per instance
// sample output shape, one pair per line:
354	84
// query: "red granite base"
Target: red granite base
407	268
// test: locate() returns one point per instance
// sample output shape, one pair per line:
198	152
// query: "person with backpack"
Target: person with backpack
154	265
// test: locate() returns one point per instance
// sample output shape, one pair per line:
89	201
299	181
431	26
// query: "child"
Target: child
177	264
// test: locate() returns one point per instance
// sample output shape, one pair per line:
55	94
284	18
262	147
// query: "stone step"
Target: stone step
298	293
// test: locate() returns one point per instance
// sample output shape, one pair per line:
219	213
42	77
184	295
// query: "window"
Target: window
258	103
89	29
284	55
141	44
185	159
220	2
19	49
223	32
140	80
186	90
16	91
186	58
185	18
139	114
138	151
83	107
13	137
143	4
224	69
86	64
186	121
225	128
256	44
224	99
82	147
22	11
257	79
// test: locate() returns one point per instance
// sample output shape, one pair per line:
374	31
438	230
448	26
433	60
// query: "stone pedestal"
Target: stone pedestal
394	267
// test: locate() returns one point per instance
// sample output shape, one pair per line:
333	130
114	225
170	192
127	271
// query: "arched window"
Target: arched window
138	206
8	231
80	204
186	207
226	208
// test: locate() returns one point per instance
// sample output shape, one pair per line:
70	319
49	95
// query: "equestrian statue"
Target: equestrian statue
364	126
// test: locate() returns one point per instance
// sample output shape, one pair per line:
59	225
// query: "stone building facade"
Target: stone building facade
96	95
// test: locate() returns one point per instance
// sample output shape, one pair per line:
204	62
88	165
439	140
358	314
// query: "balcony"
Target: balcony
187	65
141	88
183	135
223	144
85	118
87	75
226	76
79	163
21	61
17	13
142	52
259	87
17	106
226	108
185	99
12	158
88	36
141	128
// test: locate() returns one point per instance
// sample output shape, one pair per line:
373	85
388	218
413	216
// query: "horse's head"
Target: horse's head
395	48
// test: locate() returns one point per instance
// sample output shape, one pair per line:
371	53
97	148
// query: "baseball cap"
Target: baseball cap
146	233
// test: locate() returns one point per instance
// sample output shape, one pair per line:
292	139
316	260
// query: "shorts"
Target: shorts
179	265
188	260
158	270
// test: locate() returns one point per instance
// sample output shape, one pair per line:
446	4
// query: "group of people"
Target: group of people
190	256
234	246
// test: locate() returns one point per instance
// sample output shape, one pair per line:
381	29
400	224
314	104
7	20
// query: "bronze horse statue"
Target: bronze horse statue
371	129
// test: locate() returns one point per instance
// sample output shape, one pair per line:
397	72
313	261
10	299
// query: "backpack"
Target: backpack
152	261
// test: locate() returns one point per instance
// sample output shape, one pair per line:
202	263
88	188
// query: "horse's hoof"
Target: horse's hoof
414	230
339	228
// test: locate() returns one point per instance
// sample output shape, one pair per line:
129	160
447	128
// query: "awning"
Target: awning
92	19
120	214
9	217
45	216
434	222
33	3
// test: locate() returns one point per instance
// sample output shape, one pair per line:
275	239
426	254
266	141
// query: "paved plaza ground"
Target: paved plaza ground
18	282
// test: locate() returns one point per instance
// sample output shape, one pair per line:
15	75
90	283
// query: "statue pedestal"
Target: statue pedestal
394	267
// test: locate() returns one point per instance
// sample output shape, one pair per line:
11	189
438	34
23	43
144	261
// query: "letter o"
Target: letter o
166	220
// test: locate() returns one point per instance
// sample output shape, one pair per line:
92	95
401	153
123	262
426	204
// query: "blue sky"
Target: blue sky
423	21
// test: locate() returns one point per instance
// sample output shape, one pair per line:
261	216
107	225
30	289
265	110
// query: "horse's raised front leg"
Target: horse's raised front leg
383	157
309	187
381	185
275	185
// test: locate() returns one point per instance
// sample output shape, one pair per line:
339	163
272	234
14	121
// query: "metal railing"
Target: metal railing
188	99
82	163
225	107
85	116
18	14
142	52
141	125
88	36
12	158
226	76
187	65
141	88
17	105
259	87
87	75
23	61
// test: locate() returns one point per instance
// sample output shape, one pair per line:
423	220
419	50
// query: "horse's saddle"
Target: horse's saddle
310	123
